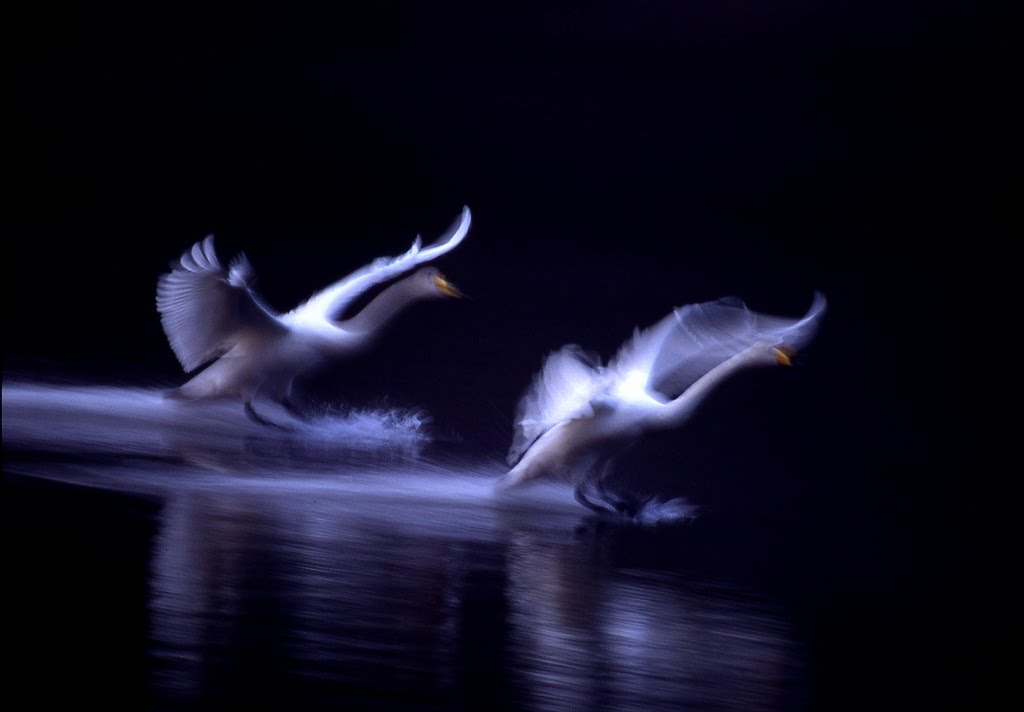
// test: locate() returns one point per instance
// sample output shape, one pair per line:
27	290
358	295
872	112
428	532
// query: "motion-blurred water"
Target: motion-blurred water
354	563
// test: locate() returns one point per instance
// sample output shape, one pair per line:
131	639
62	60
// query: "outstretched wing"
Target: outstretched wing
331	302
564	388
669	356
204	308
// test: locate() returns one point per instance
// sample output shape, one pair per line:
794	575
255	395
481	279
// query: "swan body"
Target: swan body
578	415
213	318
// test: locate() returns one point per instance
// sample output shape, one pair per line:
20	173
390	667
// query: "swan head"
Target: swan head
432	283
764	353
783	355
445	287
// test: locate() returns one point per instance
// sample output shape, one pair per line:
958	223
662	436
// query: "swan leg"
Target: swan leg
292	407
257	418
288	403
602	507
605	501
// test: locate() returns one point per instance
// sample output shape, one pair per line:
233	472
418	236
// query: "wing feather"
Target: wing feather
331	302
695	338
204	308
563	389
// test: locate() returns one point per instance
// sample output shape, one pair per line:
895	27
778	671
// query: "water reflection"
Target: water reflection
593	637
403	583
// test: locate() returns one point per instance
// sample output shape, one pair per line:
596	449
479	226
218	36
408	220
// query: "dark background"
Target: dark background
620	159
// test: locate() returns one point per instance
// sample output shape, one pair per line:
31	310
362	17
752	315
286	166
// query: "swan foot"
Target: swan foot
260	420
603	506
637	509
293	409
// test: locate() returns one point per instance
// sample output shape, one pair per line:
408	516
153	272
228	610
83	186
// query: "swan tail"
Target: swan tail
190	392
212	382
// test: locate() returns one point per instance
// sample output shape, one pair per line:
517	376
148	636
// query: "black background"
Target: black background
620	159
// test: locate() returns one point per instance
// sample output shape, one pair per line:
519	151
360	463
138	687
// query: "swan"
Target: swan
211	317
577	416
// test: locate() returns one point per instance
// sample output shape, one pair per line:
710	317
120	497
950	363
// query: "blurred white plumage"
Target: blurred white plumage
211	316
578	415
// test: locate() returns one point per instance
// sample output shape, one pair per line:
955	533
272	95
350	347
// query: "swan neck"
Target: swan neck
381	310
679	410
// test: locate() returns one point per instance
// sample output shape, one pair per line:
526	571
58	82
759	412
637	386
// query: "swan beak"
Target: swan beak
783	355
447	288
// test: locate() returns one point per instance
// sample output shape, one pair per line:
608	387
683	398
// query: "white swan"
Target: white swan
211	316
577	415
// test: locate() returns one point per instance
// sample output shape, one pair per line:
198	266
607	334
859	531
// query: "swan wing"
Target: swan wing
205	308
330	302
794	334
565	388
670	355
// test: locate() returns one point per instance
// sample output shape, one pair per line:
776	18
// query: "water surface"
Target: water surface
186	556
